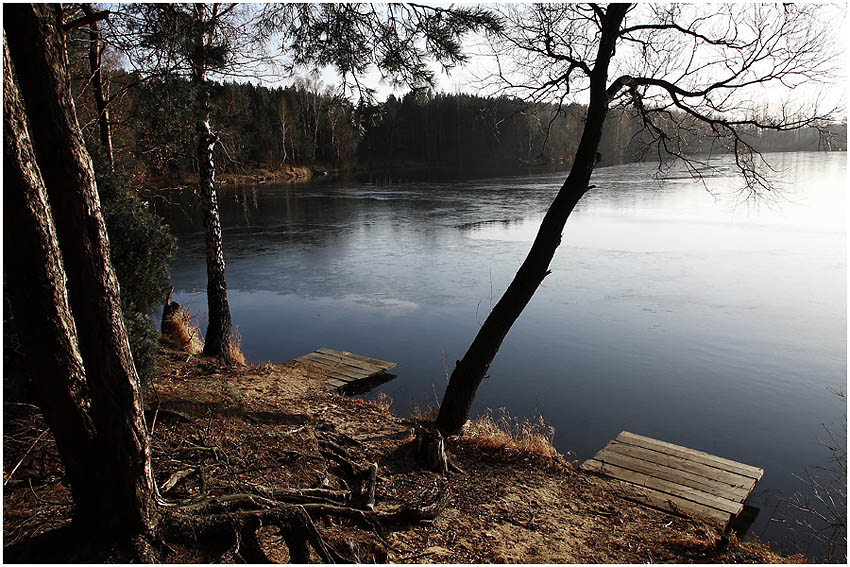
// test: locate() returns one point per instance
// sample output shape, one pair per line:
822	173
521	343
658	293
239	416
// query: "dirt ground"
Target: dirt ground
219	430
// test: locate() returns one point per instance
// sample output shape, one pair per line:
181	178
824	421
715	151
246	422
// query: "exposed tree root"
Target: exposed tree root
240	528
230	518
231	521
215	502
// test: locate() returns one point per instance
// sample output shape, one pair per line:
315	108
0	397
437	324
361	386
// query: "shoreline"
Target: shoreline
512	502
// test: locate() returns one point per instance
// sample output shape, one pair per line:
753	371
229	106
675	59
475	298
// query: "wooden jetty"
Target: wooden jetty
677	479
342	369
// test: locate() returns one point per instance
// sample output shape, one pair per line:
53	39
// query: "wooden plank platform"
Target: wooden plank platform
677	479
342	369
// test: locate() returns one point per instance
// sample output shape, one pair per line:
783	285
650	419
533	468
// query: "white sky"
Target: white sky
467	78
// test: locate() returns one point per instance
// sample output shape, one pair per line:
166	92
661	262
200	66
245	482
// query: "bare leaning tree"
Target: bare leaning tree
708	71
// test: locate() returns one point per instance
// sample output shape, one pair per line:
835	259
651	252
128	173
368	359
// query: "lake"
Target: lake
673	310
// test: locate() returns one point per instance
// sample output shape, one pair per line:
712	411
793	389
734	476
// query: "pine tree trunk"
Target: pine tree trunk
116	494
471	369
100	88
39	298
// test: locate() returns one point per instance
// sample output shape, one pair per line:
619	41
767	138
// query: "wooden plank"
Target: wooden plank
303	360
343	365
381	363
722	489
374	361
690	454
338	376
351	371
667	487
678	463
673	504
347	361
340	369
332	381
327	373
335	383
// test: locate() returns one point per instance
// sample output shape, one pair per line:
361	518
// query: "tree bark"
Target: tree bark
39	298
470	370
100	88
116	494
217	340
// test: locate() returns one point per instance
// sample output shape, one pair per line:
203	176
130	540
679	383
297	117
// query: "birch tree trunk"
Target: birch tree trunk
283	129
217	340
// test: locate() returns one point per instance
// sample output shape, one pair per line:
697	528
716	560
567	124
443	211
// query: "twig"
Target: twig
175	478
42	500
370	487
153	420
155	393
8	478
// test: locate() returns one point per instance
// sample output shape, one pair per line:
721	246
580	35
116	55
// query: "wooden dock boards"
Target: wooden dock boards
343	369
677	479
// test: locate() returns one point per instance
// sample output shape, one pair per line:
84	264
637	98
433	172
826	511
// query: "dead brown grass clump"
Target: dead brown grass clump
234	349
425	414
501	431
180	330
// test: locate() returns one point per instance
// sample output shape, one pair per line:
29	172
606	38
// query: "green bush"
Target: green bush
141	247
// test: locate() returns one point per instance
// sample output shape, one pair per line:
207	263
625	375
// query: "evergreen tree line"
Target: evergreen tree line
307	124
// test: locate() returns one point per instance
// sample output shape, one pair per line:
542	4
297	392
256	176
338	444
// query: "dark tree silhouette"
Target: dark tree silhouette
99	86
681	68
64	293
89	388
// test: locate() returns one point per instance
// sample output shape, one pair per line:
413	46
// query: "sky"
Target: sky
467	78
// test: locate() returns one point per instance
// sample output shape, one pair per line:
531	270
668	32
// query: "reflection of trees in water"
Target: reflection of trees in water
821	510
240	197
503	223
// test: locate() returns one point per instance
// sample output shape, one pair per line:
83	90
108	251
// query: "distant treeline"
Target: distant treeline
305	124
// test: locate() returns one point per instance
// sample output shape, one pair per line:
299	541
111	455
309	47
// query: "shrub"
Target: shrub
141	247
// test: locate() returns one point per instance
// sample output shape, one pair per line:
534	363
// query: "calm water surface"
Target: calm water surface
673	310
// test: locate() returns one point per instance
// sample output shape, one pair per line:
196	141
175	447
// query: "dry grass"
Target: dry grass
498	430
425	414
184	333
383	402
234	348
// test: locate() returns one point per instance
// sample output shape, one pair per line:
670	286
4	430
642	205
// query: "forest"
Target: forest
307	124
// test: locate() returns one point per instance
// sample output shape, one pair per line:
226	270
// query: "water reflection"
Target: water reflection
670	311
